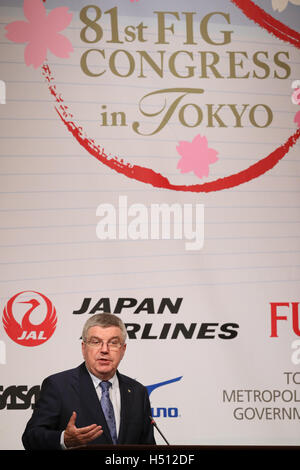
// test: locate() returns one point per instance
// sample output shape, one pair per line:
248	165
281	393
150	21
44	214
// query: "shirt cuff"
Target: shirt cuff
62	441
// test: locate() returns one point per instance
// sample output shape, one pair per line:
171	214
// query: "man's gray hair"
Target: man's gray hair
104	320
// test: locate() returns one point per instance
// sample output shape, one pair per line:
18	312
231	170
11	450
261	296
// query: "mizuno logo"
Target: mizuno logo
150	388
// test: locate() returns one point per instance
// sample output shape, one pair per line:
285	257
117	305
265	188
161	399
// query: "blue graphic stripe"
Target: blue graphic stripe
150	388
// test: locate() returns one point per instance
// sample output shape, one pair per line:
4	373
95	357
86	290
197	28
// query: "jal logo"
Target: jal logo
29	318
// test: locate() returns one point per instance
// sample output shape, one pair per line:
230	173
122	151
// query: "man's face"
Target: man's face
103	361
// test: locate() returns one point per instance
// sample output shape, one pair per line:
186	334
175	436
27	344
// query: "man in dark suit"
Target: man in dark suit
74	407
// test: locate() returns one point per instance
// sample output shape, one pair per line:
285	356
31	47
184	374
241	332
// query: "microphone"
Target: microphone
155	425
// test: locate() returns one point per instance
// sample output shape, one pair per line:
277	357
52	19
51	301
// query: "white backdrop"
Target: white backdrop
237	383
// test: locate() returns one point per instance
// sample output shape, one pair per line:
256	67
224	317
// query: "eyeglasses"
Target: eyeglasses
113	344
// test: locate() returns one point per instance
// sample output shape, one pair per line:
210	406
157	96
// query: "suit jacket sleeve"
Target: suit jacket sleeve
44	429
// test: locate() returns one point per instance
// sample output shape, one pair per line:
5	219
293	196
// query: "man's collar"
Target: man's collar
96	381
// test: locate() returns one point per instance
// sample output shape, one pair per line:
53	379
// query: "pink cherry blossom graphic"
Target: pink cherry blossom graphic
296	99
297	118
41	32
196	156
296	96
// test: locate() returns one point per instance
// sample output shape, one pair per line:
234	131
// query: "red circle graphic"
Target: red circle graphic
149	176
27	333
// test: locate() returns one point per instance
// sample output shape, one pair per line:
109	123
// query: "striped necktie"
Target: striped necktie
108	410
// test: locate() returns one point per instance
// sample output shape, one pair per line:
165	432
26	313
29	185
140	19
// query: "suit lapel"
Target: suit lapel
90	405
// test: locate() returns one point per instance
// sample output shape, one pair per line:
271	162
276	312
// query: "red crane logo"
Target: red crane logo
25	332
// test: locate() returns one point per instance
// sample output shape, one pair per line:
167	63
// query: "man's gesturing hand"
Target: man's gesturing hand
74	436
